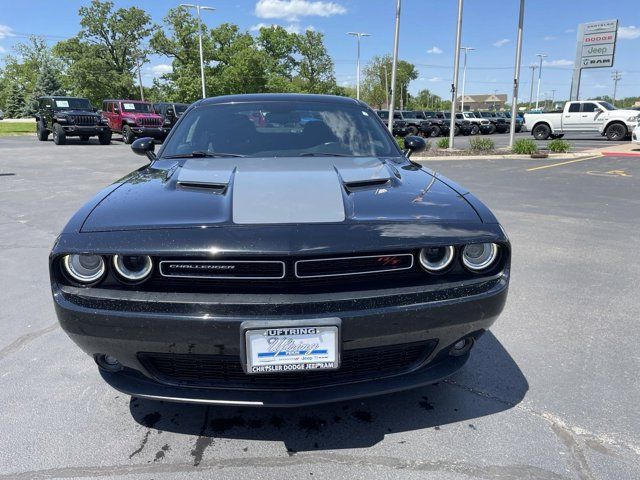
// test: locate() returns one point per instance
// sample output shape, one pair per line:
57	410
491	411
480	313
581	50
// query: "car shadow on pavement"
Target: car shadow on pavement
490	382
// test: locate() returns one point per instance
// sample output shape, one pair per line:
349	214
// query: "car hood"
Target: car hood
277	191
622	113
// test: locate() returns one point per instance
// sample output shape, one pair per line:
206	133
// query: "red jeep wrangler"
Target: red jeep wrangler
133	118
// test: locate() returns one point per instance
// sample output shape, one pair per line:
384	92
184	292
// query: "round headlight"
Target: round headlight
84	268
436	259
133	268
479	256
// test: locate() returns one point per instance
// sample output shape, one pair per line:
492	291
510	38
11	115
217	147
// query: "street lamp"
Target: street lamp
541	56
198	8
456	67
464	75
358	35
394	64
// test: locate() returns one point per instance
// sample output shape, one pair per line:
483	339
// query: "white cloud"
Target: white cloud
558	63
161	69
6	31
2	49
434	79
293	9
549	38
501	43
629	33
435	50
569	30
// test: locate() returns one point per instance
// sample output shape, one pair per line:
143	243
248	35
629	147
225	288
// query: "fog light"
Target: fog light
109	363
461	347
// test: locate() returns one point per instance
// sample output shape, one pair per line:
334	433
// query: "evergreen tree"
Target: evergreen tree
15	101
47	83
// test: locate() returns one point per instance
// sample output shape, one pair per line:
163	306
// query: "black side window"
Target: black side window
574	107
589	107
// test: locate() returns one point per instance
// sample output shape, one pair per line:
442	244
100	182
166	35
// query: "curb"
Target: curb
504	157
620	154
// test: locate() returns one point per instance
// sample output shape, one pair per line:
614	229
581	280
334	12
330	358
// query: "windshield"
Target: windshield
607	105
280	129
469	115
137	107
71	104
180	107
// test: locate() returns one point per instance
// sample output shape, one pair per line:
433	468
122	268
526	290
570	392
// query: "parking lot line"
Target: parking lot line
564	163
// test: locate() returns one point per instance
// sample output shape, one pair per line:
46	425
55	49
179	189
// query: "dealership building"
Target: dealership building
484	102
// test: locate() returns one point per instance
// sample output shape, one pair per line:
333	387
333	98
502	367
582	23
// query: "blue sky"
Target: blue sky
427	36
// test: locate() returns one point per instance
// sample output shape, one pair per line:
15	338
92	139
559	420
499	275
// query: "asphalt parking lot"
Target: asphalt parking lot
551	393
579	141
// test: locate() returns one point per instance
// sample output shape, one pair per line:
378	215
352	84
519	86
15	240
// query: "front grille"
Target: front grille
150	121
208	269
225	371
86	120
336	267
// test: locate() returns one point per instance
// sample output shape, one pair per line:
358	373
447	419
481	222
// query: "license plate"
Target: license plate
292	349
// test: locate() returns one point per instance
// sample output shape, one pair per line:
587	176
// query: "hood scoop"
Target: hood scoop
363	184
206	174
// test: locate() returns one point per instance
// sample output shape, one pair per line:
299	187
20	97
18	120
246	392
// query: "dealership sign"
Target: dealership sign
597	44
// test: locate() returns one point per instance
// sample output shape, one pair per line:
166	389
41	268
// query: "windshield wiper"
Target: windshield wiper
203	154
322	154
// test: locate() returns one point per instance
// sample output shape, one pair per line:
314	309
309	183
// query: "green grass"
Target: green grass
559	146
524	146
481	144
17	128
443	142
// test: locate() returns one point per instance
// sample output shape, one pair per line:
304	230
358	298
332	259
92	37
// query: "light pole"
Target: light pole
464	75
616	76
198	8
541	56
533	76
454	85
516	76
386	83
358	36
394	66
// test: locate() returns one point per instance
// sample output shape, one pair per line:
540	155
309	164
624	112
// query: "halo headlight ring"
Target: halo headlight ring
437	265
477	261
84	269
130	274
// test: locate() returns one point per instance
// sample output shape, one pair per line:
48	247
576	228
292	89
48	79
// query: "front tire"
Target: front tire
105	138
41	131
491	131
127	135
475	130
59	137
413	130
456	131
541	132
435	131
616	131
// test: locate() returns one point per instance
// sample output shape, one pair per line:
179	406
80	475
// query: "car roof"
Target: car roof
62	96
278	97
124	100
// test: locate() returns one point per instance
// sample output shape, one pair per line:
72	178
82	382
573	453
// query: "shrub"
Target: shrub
479	144
524	146
443	142
559	146
400	142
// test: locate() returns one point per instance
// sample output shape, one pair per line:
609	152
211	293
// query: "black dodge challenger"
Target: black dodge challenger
279	250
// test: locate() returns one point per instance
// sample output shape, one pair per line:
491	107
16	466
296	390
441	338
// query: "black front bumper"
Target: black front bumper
155	132
81	130
123	324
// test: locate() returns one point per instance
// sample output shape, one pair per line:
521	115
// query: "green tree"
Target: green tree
377	75
15	103
47	83
101	59
315	67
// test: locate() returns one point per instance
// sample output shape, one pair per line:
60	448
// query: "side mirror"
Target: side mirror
144	146
414	145
116	110
170	112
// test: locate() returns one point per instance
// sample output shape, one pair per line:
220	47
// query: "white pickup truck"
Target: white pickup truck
583	116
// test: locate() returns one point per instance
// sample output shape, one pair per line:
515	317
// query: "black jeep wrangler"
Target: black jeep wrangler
170	112
70	117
